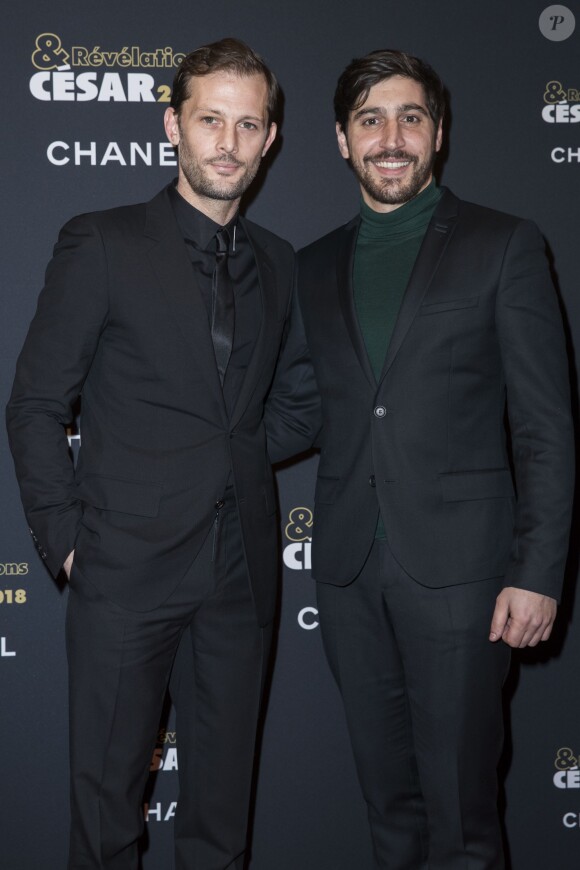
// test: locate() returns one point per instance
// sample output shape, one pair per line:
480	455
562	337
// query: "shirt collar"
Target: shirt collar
197	226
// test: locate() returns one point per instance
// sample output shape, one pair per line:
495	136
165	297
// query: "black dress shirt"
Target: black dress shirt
199	232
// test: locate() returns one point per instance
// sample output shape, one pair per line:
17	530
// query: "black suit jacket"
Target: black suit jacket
121	322
427	443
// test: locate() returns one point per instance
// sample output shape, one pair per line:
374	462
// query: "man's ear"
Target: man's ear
171	124
439	136
342	143
270	137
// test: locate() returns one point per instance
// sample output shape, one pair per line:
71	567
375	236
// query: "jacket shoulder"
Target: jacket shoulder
480	217
118	219
329	243
267	239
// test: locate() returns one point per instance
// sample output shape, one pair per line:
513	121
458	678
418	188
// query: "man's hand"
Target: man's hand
522	618
68	564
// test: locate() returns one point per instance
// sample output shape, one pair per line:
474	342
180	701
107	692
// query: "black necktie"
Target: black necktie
222	305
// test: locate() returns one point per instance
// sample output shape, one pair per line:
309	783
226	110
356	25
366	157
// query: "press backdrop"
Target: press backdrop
85	87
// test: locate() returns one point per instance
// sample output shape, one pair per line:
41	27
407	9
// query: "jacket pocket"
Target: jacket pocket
449	305
114	494
471	485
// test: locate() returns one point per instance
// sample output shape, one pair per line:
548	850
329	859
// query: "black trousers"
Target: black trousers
119	667
421	685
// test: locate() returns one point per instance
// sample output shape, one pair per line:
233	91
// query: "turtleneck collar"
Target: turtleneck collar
408	220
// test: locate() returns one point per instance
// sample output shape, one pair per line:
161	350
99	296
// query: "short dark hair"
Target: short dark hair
363	73
231	55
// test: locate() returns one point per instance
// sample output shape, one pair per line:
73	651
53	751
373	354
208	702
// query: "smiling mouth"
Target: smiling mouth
392	164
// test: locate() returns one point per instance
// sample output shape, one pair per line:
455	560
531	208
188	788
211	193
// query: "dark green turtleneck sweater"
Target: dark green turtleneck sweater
386	249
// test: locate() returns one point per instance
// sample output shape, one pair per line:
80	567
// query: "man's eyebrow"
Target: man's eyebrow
380	110
207	110
414	107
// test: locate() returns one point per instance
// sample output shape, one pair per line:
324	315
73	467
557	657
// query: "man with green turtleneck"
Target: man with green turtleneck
426	317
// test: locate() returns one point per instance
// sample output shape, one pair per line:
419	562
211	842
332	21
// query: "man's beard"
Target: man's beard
202	185
395	191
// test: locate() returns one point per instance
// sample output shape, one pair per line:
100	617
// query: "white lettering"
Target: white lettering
167	156
567	778
565	155
562	113
37	83
67	85
291	553
50	153
167	763
170	761
110	153
63	86
82	152
307	611
135	149
570	820
88	90
140	88
560	779
148	811
112	89
113	152
4	652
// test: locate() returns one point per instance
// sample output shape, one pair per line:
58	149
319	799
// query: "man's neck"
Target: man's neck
219	210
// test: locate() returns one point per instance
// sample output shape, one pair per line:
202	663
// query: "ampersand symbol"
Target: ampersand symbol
301	522
49	52
565	759
554	93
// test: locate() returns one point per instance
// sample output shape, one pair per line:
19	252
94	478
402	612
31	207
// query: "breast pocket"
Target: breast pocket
449	305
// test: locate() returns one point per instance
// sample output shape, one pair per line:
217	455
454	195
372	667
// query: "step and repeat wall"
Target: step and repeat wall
85	88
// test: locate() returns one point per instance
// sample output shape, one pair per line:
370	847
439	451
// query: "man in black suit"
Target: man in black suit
422	314
174	320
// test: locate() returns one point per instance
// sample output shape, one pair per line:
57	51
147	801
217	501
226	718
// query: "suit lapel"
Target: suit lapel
435	242
171	264
344	277
268	299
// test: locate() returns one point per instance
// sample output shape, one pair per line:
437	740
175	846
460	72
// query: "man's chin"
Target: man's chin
225	193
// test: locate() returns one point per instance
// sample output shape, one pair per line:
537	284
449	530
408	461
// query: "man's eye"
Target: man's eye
410	119
209	120
370	122
248	125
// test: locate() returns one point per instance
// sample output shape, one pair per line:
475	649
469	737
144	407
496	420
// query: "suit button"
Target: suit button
219	504
372	480
380	411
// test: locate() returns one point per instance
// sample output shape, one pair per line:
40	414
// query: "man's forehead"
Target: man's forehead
396	89
228	80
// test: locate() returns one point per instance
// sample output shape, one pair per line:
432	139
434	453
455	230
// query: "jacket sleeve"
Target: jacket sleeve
292	413
51	369
533	350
